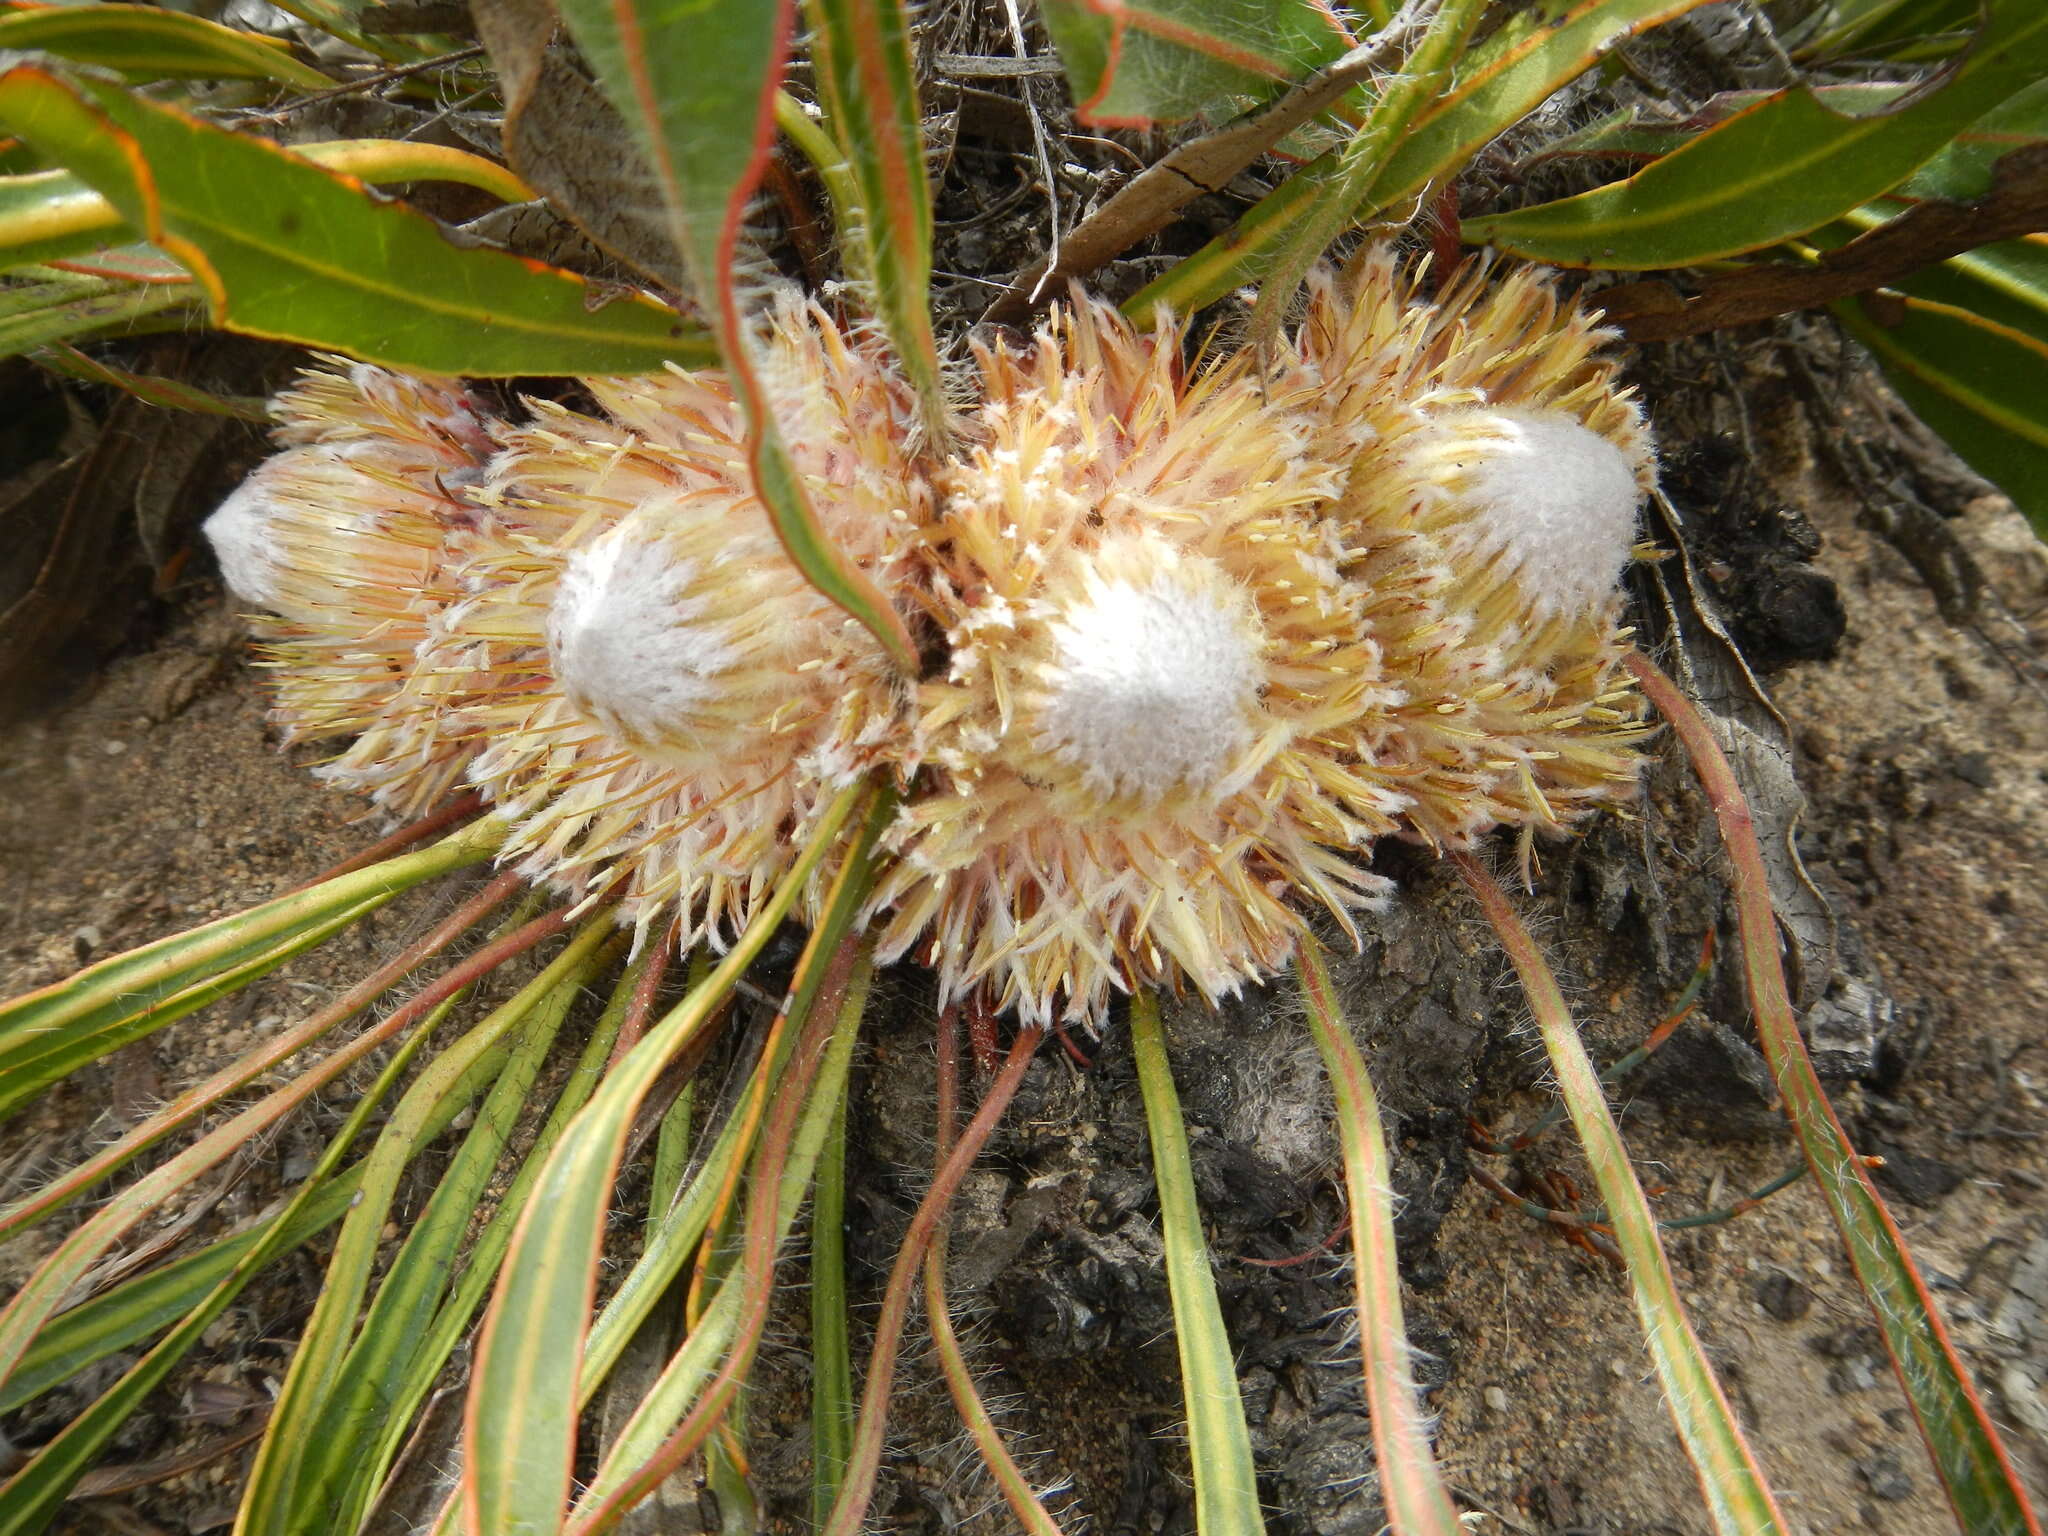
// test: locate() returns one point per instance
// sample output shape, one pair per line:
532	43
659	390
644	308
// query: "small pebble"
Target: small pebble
1496	1399
113	748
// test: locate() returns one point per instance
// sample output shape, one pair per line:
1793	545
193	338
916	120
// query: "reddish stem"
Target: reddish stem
849	1514
247	1068
459	809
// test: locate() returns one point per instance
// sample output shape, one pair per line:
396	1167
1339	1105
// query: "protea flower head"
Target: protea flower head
1136	755
663	696
349	537
1497	468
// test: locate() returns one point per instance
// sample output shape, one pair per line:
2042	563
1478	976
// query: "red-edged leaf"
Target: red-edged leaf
1781	168
860	55
1163	61
697	86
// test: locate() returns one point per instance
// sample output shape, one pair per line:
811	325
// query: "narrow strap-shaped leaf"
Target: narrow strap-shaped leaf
697	85
52	312
44	1291
1496	85
128	995
146	42
30	1500
1362	160
1971	1459
277	1498
860	58
1417	1502
818	1083
1781	168
286	249
1219	1444
133	1310
849	1513
832	1408
252	1064
827	994
1737	1496
399	1380
520	1427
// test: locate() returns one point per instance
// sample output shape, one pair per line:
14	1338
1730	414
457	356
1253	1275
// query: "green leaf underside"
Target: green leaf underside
1784	166
1164	61
287	250
697	86
146	43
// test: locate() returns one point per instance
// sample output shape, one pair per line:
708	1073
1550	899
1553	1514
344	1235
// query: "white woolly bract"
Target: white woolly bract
664	698
1154	680
351	537
1135	769
1552	500
1483	572
633	638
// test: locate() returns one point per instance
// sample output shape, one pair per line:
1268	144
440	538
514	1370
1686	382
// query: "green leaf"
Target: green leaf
286	249
1982	1487
1219	1444
1417	1503
1785	166
1737	1497
1981	384
57	306
280	1498
1495	86
861	63
1163	61
48	216
1504	79
146	43
53	1031
697	85
1362	160
1896	29
523	1401
1960	171
132	1311
149	388
832	1402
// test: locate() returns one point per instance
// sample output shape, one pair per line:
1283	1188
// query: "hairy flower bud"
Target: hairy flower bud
665	699
1135	755
350	538
1497	467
